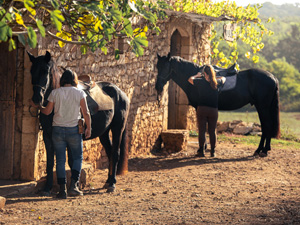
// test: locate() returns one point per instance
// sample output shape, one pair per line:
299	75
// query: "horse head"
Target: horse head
163	73
40	70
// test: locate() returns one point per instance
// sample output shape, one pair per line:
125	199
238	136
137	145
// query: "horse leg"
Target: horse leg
260	146
266	127
114	157
264	152
106	143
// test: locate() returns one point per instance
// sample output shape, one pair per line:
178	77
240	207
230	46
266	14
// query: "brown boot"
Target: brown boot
62	191
74	190
212	153
200	152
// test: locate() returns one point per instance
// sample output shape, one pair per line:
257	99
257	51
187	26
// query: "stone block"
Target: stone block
223	126
175	140
2	202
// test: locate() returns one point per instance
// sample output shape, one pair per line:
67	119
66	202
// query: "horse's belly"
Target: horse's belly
232	102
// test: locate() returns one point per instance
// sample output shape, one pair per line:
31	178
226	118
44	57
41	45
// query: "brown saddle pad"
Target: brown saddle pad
97	99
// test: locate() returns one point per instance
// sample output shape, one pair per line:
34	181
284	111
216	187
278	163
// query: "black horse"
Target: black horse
257	87
45	78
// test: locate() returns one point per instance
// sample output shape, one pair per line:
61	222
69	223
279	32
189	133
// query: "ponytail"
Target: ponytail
209	70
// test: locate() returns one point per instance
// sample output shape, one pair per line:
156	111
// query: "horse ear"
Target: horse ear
31	57
169	55
158	56
47	56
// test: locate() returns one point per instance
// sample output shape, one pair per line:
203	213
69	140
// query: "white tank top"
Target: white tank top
66	106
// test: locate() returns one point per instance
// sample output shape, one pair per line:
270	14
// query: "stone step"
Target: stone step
12	188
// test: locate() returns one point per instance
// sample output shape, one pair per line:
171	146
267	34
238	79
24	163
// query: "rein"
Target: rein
32	114
37	85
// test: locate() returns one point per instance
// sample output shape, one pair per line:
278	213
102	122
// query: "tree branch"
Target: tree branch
65	41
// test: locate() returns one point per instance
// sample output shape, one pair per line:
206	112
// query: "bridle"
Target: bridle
164	79
29	109
37	85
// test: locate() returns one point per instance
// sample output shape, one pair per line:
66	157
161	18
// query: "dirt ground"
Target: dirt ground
232	188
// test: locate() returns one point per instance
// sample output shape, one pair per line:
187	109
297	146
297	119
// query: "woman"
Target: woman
68	103
207	110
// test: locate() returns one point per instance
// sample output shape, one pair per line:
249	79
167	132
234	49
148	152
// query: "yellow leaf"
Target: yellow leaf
98	26
19	19
63	35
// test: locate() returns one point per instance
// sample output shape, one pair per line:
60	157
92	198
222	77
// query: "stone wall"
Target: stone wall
136	77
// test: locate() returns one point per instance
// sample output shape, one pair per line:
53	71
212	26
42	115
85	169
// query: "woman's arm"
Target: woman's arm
48	109
86	115
191	79
45	110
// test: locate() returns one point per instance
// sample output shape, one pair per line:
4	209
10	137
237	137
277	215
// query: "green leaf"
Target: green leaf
12	45
102	43
150	16
22	39
83	49
137	48
128	27
117	54
3	31
32	40
141	41
104	50
41	27
116	14
55	4
29	6
57	18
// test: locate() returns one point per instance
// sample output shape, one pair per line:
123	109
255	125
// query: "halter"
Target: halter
37	85
167	77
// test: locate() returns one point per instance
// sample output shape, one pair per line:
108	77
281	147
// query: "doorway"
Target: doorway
7	109
178	103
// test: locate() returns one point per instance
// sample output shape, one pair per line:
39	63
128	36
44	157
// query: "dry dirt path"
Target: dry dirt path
233	188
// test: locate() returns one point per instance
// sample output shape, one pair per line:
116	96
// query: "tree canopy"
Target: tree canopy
93	24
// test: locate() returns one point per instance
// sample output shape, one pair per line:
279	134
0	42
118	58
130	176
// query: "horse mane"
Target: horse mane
55	75
186	66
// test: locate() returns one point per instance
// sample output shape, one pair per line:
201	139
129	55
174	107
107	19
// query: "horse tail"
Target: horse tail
275	113
122	168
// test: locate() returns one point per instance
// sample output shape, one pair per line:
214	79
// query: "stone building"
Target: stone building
21	146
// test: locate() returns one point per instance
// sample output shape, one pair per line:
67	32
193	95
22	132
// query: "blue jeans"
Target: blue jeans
63	137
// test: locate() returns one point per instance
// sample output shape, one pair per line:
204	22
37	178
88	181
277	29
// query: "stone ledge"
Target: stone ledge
11	188
19	188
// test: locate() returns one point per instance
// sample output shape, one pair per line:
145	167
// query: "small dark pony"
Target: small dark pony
44	79
255	86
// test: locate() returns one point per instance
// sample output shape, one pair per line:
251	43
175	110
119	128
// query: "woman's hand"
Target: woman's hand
87	133
33	104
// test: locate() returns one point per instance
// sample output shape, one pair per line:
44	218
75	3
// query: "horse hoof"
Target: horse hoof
200	154
262	154
256	153
111	189
45	193
106	185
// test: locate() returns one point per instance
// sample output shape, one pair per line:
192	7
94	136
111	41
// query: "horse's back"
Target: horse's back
259	75
118	96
